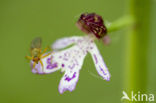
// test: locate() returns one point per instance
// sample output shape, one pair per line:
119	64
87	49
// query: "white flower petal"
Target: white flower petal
64	42
72	68
99	62
48	66
37	69
69	81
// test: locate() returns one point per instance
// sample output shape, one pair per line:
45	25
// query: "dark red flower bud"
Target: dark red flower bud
92	23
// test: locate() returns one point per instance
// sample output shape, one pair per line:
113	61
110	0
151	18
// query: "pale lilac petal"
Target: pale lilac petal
71	67
99	62
37	69
64	42
49	65
69	81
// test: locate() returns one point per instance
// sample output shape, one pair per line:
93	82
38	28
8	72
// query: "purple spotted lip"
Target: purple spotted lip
92	23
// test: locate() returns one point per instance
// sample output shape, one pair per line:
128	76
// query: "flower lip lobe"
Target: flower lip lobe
92	23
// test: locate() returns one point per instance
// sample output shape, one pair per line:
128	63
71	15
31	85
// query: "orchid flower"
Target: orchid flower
70	60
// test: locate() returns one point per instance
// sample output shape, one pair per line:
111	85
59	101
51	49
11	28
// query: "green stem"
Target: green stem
138	44
120	23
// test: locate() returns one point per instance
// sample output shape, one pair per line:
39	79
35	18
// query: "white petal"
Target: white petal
48	66
69	81
72	68
99	62
64	42
37	69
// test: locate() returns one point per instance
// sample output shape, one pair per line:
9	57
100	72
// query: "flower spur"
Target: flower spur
70	60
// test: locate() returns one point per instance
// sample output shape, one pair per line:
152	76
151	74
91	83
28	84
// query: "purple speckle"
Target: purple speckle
71	67
66	54
51	66
76	62
49	60
102	70
65	59
95	59
69	79
63	65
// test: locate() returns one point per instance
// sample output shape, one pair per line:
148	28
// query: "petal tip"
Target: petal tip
62	90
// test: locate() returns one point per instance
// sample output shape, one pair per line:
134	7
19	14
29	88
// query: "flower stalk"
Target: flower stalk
138	44
120	23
